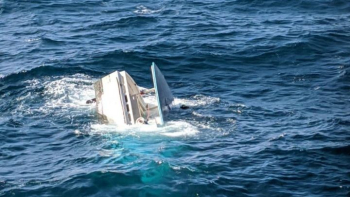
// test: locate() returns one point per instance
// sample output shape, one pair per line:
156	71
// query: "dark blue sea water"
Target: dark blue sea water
267	82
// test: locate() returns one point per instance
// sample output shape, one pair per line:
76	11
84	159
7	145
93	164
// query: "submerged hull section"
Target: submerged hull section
119	100
110	99
162	91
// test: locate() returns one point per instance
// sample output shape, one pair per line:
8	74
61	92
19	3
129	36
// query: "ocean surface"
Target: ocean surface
267	83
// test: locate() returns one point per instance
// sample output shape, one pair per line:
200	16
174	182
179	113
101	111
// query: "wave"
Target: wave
129	21
343	5
53	42
337	150
44	71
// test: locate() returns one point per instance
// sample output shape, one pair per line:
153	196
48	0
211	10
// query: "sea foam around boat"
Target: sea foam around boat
65	97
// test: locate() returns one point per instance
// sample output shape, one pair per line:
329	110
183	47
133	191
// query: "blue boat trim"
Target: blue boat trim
156	93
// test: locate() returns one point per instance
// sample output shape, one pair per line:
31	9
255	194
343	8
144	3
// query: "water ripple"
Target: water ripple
267	84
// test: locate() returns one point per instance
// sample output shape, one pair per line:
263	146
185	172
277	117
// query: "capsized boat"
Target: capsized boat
120	101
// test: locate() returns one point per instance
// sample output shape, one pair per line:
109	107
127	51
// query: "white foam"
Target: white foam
68	92
77	132
239	105
66	96
143	10
202	115
170	129
198	100
59	95
32	83
150	99
32	39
